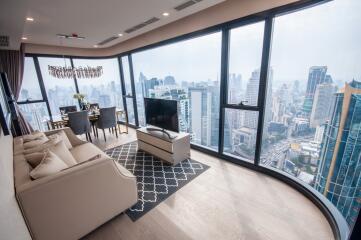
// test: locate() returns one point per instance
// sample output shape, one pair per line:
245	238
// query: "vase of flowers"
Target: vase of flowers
83	102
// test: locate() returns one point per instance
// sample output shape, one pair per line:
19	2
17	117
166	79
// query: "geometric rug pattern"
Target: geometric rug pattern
156	179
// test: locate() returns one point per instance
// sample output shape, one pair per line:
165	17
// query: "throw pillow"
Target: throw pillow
34	158
35	143
42	147
50	164
63	136
33	136
63	153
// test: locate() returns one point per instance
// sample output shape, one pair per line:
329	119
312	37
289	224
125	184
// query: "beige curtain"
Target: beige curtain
12	63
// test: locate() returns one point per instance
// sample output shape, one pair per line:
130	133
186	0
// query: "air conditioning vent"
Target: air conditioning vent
4	41
186	4
108	40
142	25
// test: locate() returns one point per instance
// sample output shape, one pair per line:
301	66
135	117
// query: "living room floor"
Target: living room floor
225	202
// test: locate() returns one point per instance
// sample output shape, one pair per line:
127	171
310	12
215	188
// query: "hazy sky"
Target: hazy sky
328	34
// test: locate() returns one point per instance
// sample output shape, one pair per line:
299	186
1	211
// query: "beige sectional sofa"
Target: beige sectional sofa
76	200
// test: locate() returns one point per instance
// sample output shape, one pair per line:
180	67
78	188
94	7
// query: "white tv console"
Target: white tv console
172	150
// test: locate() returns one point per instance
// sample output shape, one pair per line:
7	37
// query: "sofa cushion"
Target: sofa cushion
43	147
63	153
35	143
33	136
50	164
86	151
34	158
63	136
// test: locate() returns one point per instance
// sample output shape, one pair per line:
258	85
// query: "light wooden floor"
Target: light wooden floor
225	202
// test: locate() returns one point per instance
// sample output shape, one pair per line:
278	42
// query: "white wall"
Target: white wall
12	225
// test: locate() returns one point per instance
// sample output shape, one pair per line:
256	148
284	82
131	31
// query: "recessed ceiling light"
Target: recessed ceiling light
30	19
95	46
165	14
24	38
120	34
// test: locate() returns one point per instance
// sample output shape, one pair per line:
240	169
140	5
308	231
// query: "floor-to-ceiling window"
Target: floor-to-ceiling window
105	90
31	101
313	126
187	71
244	67
60	91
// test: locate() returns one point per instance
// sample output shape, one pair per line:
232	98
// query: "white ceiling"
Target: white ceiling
96	20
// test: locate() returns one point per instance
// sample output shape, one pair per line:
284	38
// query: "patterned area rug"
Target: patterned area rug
156	179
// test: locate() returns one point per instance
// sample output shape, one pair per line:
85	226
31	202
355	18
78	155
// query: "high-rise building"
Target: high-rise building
150	84
317	75
169	80
320	130
323	102
235	91
198	114
251	117
340	162
204	114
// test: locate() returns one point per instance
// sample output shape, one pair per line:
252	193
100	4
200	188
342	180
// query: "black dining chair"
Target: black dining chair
67	109
107	119
79	123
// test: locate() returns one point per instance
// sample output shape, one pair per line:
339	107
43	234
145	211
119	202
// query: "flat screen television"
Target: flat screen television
162	113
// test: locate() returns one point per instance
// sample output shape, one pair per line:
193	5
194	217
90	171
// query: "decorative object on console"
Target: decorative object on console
156	180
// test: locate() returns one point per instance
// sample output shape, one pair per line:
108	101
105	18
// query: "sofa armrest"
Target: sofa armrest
75	201
74	140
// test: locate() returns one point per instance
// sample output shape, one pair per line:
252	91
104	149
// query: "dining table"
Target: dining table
63	120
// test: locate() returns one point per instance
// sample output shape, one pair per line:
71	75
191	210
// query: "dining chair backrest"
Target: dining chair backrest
107	118
68	109
79	122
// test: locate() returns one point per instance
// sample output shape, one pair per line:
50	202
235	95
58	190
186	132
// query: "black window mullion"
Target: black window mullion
131	73
122	83
42	86
30	101
223	86
262	92
241	107
75	81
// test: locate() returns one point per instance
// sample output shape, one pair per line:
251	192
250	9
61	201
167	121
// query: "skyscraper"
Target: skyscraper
198	114
204	114
323	101
317	75
340	161
251	117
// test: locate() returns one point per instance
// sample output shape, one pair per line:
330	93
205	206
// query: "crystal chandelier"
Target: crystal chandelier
79	72
71	72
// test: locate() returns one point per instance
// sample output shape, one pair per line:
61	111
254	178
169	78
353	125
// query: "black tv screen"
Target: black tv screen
162	113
